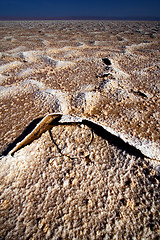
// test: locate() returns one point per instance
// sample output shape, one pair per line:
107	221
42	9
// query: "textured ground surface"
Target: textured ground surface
92	189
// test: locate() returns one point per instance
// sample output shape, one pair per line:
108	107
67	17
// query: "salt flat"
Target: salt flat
107	72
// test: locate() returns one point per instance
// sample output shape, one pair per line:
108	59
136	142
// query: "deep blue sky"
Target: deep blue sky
61	8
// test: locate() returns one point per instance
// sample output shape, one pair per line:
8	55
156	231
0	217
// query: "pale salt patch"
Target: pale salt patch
9	66
2	78
102	43
27	85
66	183
31	56
91	100
3	54
7	91
46	42
52	50
87	88
119	74
26	72
131	48
34	82
17	49
62	98
57	63
34	85
72	53
61	64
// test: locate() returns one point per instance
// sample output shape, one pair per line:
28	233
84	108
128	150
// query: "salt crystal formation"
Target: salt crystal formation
96	174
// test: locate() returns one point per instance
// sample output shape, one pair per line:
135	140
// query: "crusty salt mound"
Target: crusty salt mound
94	172
86	191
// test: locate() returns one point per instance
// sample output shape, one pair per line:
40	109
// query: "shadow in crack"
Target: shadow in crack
113	140
26	131
96	128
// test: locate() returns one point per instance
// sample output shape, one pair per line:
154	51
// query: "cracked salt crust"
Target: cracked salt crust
77	188
149	149
38	184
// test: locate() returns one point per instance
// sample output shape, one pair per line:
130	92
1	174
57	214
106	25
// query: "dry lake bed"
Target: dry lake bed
82	100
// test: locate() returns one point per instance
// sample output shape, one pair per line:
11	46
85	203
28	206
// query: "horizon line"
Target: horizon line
133	18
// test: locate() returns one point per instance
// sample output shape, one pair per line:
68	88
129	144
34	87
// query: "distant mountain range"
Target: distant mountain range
14	18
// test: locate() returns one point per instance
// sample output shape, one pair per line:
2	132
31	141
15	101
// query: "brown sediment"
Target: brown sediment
84	191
